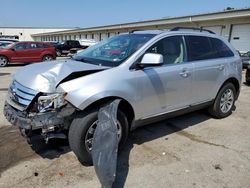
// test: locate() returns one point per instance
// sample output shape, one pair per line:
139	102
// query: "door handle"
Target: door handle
221	67
184	74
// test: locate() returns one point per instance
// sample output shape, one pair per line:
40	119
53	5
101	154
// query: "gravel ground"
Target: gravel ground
192	150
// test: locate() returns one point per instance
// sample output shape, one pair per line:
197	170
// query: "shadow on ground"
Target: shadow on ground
14	148
152	132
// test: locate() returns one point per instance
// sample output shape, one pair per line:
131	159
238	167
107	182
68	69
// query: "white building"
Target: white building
234	25
24	33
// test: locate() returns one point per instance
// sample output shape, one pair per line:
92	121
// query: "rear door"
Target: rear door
34	52
207	55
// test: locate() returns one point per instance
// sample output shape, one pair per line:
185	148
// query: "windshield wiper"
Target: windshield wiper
83	60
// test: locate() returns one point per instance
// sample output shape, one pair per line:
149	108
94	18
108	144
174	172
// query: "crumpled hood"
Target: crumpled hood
45	76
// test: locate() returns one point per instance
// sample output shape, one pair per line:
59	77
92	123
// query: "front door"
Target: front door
168	87
20	53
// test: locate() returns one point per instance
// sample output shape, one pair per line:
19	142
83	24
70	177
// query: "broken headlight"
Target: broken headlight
51	102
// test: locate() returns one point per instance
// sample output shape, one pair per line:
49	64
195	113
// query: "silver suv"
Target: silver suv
156	74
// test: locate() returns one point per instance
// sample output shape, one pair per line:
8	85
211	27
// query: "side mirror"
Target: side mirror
13	49
151	59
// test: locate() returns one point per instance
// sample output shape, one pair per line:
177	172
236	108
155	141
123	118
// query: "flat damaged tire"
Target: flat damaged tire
82	129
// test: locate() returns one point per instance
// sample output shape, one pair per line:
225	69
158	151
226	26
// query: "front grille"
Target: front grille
21	95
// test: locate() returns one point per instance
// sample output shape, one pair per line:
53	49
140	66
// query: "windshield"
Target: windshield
113	51
5	44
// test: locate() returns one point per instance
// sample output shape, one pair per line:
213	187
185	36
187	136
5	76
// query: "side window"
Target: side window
33	45
172	49
222	49
199	48
74	44
40	45
46	46
21	46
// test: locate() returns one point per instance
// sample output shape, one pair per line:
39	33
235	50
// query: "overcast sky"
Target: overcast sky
88	13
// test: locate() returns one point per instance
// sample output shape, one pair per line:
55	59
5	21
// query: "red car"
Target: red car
26	52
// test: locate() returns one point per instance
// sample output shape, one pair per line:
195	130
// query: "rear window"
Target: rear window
222	49
42	45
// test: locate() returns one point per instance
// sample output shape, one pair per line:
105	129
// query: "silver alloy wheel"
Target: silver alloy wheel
58	53
47	58
90	134
3	61
226	101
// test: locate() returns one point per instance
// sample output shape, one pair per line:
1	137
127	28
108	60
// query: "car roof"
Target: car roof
31	42
8	40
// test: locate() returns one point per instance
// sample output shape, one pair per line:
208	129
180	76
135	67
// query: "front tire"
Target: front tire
3	61
79	134
224	102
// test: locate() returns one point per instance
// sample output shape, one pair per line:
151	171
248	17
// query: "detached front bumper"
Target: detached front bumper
34	121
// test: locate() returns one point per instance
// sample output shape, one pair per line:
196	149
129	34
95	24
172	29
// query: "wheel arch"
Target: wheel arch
6	57
124	106
236	84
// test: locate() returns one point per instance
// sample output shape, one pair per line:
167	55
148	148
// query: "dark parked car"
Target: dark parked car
64	47
245	58
248	76
26	52
53	43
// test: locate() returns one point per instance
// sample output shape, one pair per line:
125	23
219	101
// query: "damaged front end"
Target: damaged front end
39	113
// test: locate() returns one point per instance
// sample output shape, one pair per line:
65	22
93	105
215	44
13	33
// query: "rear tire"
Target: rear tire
79	129
47	58
224	102
3	61
58	53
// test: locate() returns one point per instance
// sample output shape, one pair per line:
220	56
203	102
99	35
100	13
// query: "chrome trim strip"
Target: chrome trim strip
22	95
25	89
174	110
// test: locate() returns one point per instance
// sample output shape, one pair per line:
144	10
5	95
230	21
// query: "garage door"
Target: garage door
240	37
215	29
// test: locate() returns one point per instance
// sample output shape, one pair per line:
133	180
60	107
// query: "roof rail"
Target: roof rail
137	30
132	31
192	28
